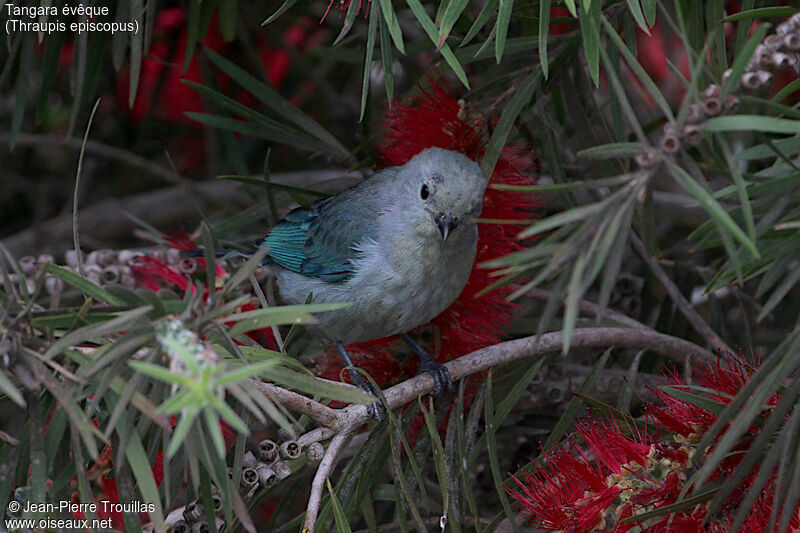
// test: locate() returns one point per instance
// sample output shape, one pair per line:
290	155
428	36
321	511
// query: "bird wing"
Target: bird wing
320	240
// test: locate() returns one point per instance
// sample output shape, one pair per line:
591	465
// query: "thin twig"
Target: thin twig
593	309
322	414
95	148
680	301
318	485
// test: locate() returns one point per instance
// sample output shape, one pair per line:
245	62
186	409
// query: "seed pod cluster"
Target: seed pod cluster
102	267
777	52
192	518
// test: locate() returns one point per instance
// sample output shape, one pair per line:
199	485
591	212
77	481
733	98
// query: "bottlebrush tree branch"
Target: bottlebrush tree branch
353	416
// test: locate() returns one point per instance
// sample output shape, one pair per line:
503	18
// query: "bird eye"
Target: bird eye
424	192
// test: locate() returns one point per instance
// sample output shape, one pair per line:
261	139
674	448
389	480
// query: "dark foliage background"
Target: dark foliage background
667	137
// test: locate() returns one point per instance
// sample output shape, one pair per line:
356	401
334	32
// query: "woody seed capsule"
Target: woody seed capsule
315	451
28	264
249	477
792	41
692	135
712	106
266	476
269	450
290	450
282	470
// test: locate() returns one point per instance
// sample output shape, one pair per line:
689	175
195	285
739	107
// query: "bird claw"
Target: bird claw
366	386
440	374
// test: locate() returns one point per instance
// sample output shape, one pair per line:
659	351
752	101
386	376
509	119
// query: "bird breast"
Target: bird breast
398	284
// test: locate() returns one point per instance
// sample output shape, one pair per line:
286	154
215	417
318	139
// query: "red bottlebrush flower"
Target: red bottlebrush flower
567	494
612	448
436	118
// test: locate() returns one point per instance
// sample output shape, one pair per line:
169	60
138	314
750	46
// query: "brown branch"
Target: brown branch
680	301
322	414
106	220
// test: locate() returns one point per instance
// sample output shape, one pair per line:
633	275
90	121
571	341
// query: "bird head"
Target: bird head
443	191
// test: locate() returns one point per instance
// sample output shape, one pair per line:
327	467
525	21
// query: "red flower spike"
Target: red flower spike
612	448
436	118
568	494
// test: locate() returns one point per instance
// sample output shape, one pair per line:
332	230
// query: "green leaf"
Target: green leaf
390	18
680	505
544	29
741	61
590	30
430	28
716	211
752	123
245	372
319	387
791	279
761	12
387	61
612	150
741	187
790	88
342	525
491	446
503	20
349	20
276	316
637	68
164	374
181	430
483	17
449	18
23	89
84	285
279	135
287	4
249	180
96	331
9	389
374	16
143	472
566	186
227	19
277	103
788	147
693	399
565	217
521	98
636	12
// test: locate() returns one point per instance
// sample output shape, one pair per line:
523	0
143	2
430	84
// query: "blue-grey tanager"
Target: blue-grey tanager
399	246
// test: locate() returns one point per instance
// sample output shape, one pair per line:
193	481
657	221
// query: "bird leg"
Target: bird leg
439	372
358	379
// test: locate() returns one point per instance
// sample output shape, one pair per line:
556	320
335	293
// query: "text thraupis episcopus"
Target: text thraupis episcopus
399	246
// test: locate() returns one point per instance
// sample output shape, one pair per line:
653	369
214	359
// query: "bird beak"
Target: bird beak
446	224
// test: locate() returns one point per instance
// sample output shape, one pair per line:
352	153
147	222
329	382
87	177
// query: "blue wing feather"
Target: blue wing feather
319	240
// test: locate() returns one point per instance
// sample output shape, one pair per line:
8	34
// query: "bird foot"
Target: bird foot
441	376
364	385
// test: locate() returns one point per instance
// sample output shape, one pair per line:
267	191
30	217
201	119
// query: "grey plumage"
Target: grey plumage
379	245
399	247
